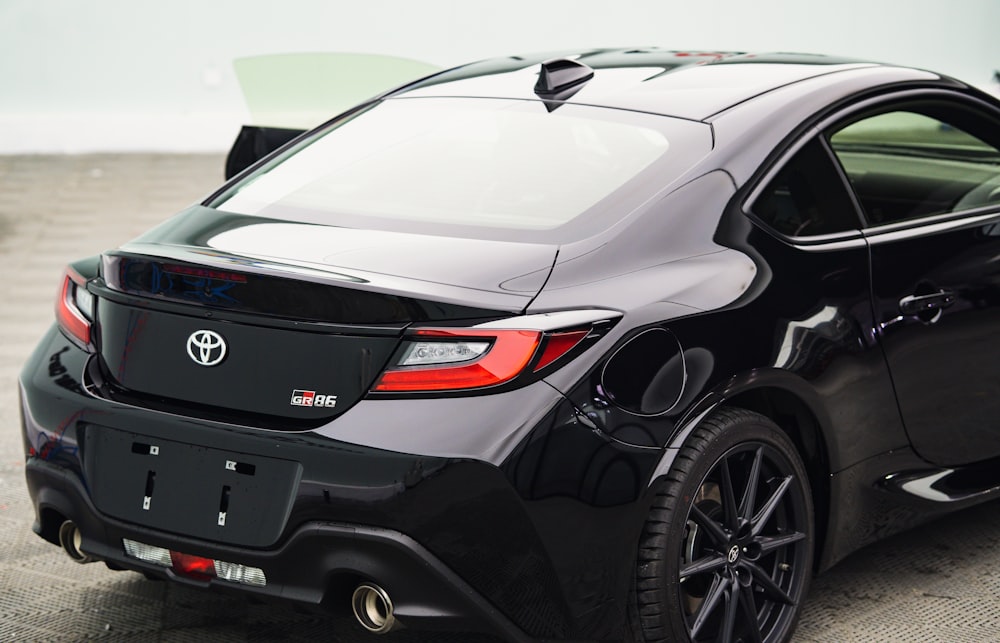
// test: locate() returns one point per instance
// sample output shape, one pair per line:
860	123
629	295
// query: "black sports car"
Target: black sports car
612	345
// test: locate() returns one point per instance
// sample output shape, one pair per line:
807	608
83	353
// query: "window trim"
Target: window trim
831	241
868	233
886	104
931	224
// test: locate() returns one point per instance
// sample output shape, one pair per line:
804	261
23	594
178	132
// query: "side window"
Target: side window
807	196
919	162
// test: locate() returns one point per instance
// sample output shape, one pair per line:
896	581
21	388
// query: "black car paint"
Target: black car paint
534	497
502	275
934	389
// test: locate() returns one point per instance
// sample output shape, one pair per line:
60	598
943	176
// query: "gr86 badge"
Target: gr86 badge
311	398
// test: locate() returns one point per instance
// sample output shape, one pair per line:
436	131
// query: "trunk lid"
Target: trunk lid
284	325
480	273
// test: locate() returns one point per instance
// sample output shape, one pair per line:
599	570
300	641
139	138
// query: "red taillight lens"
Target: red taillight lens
509	353
73	321
557	345
439	359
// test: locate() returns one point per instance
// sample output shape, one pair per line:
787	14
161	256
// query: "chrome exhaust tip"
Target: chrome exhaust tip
71	539
373	608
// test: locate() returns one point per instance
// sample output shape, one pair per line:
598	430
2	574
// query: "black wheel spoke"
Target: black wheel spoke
766	583
772	543
711	600
714	529
729	620
727	546
750	611
768	509
702	565
729	515
750	493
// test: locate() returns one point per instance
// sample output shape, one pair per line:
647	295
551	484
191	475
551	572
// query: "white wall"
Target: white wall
157	75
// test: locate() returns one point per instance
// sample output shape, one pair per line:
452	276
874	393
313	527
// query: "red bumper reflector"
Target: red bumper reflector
192	566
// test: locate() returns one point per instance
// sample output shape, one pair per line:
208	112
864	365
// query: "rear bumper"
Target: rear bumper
448	538
319	563
536	545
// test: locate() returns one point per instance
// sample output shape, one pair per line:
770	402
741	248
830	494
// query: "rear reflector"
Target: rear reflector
557	345
196	567
72	295
149	553
236	573
192	566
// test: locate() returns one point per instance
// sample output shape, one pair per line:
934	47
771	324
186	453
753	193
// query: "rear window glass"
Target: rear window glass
486	163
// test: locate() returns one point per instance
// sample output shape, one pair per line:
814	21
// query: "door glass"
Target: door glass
807	197
904	165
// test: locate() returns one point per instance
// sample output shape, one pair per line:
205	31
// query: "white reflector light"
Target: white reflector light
232	572
420	353
84	301
150	554
240	573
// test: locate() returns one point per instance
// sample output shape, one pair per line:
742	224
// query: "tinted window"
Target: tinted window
908	163
807	197
407	164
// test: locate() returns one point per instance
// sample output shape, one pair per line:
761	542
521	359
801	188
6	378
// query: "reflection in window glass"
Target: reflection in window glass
807	197
911	130
506	164
904	165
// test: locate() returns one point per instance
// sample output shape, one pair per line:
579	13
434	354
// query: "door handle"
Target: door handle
916	304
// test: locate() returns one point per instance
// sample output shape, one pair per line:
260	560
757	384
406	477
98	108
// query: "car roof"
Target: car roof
684	84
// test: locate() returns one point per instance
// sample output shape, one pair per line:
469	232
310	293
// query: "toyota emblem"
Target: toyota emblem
206	347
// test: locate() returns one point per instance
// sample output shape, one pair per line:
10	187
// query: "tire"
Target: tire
714	562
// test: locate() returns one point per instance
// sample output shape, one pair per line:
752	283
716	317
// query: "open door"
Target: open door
288	94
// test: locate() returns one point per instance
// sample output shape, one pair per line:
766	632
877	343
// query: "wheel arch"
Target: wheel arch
800	422
792	404
667	546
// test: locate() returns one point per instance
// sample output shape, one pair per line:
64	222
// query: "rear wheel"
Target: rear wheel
726	551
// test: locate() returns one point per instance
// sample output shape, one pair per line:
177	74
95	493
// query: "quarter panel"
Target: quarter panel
803	324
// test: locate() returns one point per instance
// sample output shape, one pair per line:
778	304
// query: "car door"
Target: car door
925	168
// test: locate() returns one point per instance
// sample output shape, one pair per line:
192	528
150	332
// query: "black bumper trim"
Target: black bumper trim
425	592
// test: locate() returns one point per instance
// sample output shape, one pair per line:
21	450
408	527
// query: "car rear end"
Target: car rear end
184	438
321	384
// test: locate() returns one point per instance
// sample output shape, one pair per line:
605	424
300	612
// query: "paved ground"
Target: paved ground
939	583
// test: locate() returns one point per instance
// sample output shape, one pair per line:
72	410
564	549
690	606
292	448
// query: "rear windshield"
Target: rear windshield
440	165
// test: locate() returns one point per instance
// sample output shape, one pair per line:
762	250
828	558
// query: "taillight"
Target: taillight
491	354
444	359
75	307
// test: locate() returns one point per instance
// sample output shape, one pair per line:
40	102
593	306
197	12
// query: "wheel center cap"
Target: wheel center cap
734	554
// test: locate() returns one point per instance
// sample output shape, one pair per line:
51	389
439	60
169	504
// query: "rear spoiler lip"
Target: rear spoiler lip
502	302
